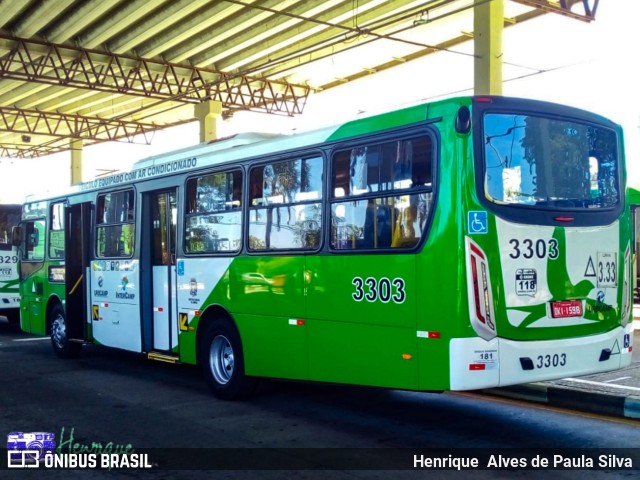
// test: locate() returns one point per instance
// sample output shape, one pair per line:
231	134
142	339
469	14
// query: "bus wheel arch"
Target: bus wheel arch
57	327
221	356
212	314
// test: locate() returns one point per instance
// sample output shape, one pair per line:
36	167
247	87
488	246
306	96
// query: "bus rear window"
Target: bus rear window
548	162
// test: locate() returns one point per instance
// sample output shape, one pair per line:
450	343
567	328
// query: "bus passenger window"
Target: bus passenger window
213	221
358	170
115	229
56	231
391	212
285	210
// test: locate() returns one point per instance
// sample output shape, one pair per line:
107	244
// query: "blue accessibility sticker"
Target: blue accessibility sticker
478	222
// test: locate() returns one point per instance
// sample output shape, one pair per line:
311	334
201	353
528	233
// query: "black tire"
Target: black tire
223	362
62	347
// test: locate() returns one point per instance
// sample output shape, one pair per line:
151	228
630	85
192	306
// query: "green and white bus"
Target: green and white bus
9	292
468	243
633	200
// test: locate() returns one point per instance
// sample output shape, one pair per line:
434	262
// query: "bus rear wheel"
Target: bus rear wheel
223	362
62	347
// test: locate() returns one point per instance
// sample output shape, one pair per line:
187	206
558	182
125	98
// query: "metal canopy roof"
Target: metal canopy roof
101	70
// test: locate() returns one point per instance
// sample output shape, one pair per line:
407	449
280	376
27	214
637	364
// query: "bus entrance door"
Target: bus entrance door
162	212
77	250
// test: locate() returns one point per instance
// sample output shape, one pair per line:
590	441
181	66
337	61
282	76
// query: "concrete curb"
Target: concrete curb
601	403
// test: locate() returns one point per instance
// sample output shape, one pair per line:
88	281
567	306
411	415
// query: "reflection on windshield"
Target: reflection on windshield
548	162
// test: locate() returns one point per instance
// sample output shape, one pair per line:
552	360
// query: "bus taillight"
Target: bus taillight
479	291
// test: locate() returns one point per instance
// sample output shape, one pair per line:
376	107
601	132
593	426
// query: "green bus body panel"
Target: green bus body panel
362	354
377	123
36	292
331	289
273	347
270	286
362	341
32	318
633	196
266	292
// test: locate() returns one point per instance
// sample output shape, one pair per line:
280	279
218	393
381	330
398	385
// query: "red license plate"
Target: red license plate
566	308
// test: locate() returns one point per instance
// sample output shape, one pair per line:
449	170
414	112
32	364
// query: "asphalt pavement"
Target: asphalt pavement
614	393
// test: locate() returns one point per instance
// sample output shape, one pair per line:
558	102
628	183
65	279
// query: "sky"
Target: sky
553	58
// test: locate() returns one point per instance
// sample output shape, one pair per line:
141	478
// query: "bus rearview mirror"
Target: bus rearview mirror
16	235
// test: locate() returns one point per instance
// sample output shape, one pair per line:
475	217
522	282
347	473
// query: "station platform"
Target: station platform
612	393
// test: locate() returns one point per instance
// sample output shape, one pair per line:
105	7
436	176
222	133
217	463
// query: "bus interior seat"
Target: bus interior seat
384	226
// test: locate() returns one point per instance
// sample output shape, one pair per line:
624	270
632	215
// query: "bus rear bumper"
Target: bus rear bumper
477	363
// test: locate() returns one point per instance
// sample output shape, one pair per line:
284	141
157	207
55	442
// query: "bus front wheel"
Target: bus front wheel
59	339
223	362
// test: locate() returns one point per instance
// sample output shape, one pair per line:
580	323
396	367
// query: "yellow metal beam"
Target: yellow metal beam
208	114
76	160
488	22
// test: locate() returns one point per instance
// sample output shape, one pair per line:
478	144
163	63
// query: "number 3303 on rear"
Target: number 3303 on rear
548	361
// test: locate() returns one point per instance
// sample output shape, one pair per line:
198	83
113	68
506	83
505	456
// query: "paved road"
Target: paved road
123	399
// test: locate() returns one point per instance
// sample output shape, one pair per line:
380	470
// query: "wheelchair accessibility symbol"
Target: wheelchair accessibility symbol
478	222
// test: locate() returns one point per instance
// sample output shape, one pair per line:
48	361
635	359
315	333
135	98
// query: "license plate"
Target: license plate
566	308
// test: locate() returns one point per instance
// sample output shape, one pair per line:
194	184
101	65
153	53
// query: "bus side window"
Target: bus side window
285	211
384	226
256	186
388	196
115	227
213	220
56	230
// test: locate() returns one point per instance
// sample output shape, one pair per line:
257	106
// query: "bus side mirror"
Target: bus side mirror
16	235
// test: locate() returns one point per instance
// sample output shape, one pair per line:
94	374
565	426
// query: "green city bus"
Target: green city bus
467	243
633	199
9	288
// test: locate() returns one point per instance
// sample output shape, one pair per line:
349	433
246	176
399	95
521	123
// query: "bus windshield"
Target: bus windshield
549	162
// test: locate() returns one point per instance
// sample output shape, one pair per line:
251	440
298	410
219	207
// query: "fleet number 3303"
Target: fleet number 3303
382	289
